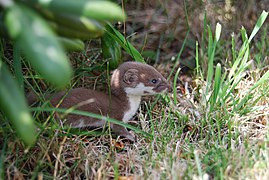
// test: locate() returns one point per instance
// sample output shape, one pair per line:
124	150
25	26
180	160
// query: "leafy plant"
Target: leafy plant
41	29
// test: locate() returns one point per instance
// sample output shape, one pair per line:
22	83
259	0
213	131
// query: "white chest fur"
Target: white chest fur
134	102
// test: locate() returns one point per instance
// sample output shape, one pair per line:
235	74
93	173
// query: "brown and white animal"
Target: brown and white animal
129	82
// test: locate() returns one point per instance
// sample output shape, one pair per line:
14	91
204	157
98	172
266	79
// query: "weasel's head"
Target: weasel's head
139	79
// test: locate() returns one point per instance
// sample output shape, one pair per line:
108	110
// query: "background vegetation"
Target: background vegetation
214	124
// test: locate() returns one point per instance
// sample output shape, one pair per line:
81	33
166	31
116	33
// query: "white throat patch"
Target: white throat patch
134	97
134	102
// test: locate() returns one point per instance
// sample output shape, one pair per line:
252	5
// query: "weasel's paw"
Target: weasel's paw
123	132
129	136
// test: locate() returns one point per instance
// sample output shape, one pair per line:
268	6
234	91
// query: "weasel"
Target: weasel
129	82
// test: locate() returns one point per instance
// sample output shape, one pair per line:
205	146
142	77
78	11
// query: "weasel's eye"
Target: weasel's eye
154	81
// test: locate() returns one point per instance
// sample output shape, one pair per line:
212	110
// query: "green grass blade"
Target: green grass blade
258	25
233	49
262	80
210	55
217	85
175	86
233	82
210	42
244	34
198	164
241	54
198	70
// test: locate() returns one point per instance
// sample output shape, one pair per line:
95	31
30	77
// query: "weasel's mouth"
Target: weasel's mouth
160	88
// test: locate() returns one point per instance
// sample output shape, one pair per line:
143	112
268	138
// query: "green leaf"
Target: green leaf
14	106
96	9
39	44
71	44
111	50
125	44
79	23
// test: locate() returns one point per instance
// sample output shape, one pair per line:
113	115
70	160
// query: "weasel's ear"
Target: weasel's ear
131	77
